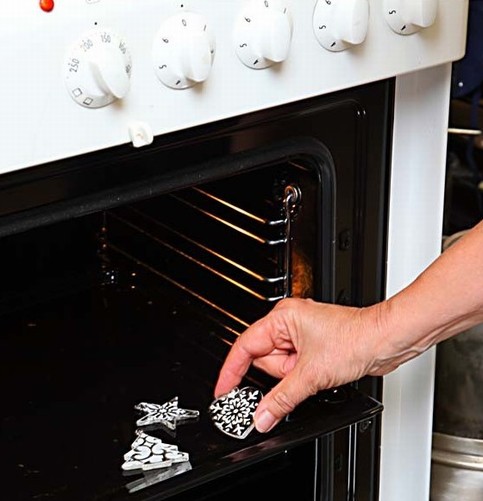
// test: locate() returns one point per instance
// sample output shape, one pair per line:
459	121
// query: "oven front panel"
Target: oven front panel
130	286
57	61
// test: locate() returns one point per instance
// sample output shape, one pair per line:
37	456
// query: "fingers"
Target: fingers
281	400
234	368
309	346
278	364
254	343
271	344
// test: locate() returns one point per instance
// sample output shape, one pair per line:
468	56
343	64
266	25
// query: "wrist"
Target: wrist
393	340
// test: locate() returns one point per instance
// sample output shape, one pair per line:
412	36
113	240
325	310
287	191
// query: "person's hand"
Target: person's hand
309	346
313	346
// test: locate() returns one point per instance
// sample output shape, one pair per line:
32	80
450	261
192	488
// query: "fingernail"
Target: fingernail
265	421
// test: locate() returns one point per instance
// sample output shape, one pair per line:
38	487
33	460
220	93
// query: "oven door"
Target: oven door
128	274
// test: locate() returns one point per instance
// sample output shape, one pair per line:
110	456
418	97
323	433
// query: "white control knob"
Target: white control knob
340	24
183	50
97	70
263	33
409	16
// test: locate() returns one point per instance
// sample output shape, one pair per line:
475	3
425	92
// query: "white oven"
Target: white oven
82	77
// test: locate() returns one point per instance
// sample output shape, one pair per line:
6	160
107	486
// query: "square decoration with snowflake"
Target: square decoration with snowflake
233	413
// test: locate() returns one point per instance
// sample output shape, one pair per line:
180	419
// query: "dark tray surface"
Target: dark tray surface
72	370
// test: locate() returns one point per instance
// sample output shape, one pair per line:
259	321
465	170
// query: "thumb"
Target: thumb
280	401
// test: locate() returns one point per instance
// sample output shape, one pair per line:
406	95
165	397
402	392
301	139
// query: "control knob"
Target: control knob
183	50
341	24
97	69
409	16
263	33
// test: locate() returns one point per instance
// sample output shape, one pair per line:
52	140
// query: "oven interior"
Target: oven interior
140	301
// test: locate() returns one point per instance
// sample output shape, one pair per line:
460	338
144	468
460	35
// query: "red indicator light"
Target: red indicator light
46	5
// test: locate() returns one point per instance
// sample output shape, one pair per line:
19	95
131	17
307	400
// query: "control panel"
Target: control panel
90	74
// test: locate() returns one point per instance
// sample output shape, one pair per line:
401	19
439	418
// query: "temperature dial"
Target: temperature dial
341	24
263	33
409	16
183	51
97	70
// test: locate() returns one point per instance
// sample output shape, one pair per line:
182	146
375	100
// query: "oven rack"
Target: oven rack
232	259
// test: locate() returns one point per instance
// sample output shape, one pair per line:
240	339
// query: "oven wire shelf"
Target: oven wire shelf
194	239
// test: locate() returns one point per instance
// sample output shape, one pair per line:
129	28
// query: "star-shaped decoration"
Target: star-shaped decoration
168	414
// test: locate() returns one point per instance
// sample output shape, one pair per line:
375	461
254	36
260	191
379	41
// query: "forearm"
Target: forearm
447	298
